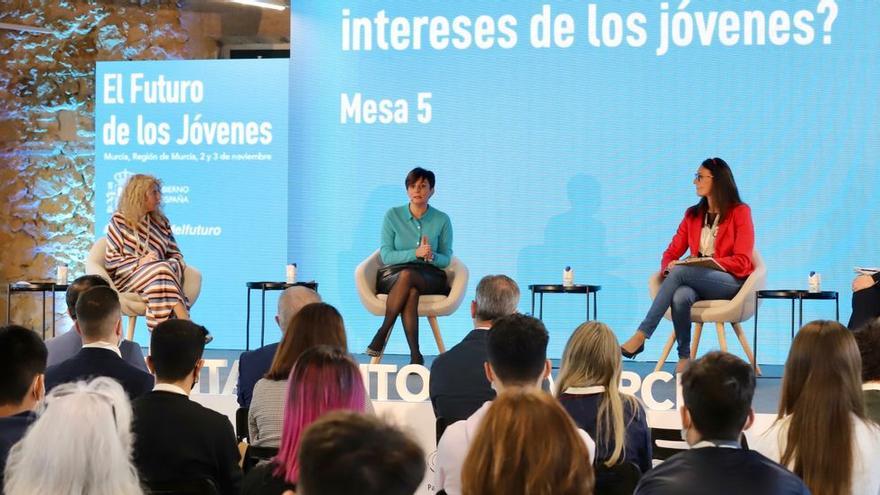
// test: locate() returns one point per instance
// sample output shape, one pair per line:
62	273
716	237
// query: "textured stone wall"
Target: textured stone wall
47	125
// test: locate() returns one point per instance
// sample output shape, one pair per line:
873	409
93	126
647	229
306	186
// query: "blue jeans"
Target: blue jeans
684	286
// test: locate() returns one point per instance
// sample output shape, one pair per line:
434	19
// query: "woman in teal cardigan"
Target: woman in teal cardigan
416	246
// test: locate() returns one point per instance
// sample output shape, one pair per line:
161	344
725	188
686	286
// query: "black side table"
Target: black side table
542	289
263	287
42	287
794	295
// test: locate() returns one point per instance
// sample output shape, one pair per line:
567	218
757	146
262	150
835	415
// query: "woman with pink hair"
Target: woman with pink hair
323	379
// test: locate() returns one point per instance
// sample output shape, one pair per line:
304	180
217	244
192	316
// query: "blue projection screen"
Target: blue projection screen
568	132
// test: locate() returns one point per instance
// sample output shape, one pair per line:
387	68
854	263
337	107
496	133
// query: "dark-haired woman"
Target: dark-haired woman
416	246
719	226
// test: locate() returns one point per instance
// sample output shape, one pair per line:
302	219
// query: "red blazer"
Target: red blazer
734	242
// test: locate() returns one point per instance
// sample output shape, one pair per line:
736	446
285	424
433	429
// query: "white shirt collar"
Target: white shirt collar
871	386
595	389
723	445
103	345
482	328
167	387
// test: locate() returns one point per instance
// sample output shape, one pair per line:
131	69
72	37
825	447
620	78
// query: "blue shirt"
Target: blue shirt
402	232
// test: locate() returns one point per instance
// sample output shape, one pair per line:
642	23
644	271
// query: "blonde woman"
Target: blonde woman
588	389
142	255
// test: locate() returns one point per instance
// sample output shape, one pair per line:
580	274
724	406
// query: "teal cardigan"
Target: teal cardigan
401	233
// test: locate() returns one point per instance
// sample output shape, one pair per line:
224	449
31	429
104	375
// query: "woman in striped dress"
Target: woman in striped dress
142	255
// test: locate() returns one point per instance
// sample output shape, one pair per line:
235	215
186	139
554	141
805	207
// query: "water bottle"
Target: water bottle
291	273
814	281
567	277
61	275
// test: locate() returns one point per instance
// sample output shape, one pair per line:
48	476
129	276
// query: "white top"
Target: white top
707	236
866	475
454	446
103	345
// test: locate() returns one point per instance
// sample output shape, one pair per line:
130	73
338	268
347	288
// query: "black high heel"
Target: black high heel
372	353
630	355
420	360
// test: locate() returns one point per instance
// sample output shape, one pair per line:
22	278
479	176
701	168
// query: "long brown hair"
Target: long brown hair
592	357
315	324
724	191
510	452
821	388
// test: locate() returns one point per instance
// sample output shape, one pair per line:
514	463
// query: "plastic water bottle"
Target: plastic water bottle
814	281
567	277
61	275
291	273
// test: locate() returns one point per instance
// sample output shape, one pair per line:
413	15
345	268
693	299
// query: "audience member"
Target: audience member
718	390
97	320
589	390
527	445
253	365
822	433
517	357
177	439
324	379
22	365
868	340
315	324
458	385
344	452
81	444
66	345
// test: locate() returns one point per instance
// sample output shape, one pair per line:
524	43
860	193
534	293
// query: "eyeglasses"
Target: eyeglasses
699	178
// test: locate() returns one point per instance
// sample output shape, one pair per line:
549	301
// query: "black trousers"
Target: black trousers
865	306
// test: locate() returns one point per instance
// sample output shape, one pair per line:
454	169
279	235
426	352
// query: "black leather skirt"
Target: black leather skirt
435	278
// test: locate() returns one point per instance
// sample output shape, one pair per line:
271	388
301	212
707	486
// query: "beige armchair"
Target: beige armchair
720	311
133	305
430	306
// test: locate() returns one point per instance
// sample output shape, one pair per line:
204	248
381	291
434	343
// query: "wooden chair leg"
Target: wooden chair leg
132	320
435	327
722	340
737	329
695	342
665	353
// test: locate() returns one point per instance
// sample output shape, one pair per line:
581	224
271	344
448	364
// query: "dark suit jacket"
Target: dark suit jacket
720	471
458	385
66	345
252	365
176	439
91	362
12	429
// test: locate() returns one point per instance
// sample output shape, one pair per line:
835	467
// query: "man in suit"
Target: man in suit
97	321
66	345
718	390
252	365
22	364
177	439
868	340
458	385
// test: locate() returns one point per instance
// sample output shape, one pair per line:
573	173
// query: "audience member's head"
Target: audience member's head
718	390
527	444
97	315
868	341
517	351
291	301
79	286
22	365
324	379
592	358
821	392
346	452
315	324
497	296
81	443
176	349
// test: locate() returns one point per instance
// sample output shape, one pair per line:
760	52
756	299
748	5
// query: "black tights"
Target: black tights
403	300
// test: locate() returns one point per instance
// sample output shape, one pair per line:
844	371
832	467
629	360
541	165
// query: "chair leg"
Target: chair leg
737	329
132	320
695	344
437	337
722	340
665	353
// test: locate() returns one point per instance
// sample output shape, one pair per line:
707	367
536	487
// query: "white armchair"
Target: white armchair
133	305
720	311
430	306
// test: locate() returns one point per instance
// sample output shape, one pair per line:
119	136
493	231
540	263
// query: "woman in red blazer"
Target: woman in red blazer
720	226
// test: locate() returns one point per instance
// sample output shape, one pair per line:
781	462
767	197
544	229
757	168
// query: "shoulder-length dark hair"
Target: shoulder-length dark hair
724	191
315	324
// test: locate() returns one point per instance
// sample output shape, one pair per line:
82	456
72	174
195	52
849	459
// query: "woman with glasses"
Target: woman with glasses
718	226
416	247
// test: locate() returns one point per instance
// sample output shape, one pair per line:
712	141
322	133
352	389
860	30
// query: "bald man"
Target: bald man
252	365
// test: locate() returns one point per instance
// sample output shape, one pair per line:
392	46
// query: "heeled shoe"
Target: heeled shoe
372	352
420	360
630	355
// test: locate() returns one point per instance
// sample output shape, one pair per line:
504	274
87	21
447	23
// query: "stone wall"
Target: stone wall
47	124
